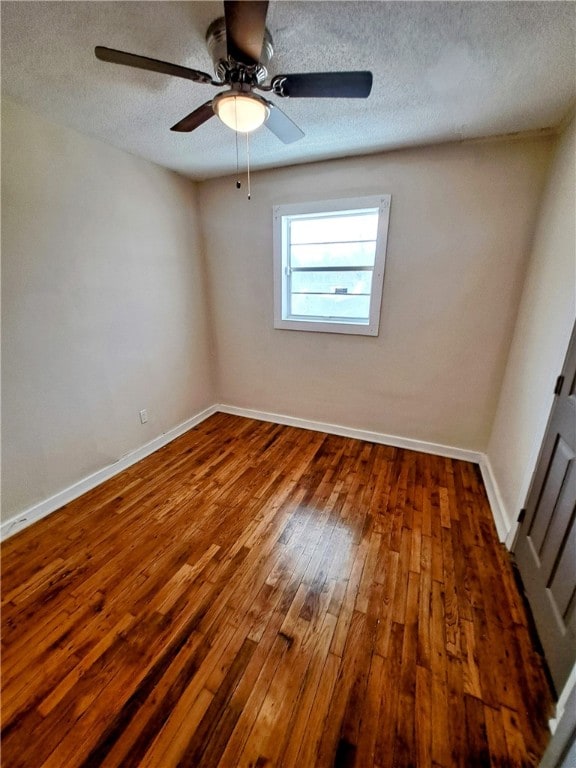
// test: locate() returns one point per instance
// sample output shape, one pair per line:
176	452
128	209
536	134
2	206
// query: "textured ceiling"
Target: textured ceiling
442	71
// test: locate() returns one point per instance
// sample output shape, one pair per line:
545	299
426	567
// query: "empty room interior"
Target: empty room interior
288	384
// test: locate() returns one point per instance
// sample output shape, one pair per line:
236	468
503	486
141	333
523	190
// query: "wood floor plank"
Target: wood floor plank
342	715
496	738
405	744
441	746
423	712
476	752
387	726
259	595
316	725
303	713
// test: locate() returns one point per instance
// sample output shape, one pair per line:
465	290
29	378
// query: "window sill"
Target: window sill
324	326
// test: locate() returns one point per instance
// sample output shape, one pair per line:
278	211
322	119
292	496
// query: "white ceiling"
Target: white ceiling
442	71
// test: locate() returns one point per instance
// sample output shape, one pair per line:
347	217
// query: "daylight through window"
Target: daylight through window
329	264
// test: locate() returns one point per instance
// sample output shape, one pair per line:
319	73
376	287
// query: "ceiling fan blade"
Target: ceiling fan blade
343	85
245	27
281	126
195	119
153	65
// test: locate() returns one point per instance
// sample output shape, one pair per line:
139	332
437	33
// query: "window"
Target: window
329	264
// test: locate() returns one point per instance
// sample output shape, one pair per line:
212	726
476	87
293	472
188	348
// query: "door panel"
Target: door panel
558	466
545	547
560	586
562	516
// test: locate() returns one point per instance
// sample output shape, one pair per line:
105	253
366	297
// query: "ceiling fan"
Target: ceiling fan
241	48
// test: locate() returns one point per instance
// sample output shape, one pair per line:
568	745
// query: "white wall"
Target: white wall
462	219
541	336
103	304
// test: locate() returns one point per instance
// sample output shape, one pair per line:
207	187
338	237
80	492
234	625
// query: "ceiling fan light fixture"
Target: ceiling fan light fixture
243	112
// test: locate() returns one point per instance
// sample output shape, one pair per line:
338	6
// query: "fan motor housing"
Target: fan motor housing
227	69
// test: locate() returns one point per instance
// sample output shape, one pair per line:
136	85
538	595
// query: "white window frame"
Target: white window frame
281	218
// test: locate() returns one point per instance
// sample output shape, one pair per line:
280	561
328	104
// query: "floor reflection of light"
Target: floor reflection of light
312	540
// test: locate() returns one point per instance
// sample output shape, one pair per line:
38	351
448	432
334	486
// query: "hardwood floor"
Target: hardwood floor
260	595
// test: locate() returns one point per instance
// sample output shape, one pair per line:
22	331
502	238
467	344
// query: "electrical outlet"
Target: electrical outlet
143	416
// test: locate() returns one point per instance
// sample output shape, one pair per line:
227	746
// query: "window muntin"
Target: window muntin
329	264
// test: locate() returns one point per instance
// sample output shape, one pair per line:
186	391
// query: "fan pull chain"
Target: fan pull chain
248	162
238	182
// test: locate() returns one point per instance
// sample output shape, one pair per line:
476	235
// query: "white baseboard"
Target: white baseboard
46	507
359	434
502	521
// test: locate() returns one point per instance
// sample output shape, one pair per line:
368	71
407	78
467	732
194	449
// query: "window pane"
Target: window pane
329	264
338	283
331	307
330	229
333	255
